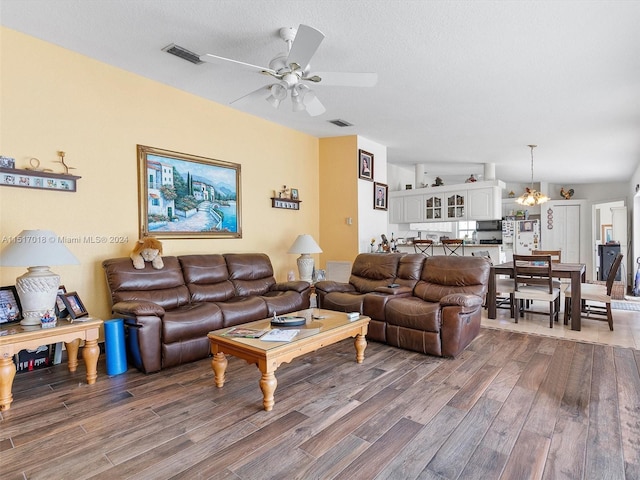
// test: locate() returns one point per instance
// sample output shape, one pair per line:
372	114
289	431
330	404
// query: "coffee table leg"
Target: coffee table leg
219	366
361	344
90	354
7	373
268	384
72	354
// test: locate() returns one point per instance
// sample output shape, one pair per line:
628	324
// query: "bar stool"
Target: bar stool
453	246
424	247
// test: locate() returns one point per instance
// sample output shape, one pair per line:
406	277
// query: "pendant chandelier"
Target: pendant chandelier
531	197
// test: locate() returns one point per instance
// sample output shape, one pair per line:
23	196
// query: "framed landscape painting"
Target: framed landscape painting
186	196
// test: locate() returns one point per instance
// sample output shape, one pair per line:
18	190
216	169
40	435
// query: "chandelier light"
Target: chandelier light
531	197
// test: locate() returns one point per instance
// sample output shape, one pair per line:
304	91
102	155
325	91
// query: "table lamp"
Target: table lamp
38	288
305	245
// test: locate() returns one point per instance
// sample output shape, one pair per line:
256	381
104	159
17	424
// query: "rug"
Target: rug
633	306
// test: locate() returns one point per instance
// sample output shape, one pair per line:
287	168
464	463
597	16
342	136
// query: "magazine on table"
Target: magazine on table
279	335
243	332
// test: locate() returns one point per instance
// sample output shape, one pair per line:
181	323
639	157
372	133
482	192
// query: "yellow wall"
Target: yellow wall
339	198
52	99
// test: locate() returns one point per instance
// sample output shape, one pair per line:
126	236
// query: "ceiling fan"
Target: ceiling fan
292	71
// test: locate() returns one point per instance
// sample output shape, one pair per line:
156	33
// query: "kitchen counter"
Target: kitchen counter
495	250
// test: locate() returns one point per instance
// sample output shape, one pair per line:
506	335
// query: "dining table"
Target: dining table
574	271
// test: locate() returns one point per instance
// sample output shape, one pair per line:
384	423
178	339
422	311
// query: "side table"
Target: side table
16	337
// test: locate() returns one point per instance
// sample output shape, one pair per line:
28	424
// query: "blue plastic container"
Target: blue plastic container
115	346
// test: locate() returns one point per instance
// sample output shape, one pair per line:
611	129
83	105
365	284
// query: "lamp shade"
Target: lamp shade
305	244
35	248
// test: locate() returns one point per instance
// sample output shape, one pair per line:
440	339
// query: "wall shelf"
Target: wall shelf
16	177
286	203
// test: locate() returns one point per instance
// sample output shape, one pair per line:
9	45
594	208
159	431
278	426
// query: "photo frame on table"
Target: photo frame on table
187	196
10	307
294	194
61	308
365	165
74	305
607	233
380	194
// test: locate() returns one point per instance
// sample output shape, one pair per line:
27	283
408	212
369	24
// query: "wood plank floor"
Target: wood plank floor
512	406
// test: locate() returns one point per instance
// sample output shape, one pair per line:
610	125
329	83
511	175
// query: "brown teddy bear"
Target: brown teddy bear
148	249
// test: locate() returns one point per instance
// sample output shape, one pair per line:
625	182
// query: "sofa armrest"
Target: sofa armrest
328	286
401	291
296	286
467	301
137	309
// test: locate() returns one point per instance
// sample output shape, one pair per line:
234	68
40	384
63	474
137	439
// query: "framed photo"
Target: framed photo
607	233
74	305
365	165
10	308
380	191
294	194
61	308
186	196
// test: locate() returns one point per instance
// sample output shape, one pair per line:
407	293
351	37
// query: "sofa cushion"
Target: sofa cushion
413	313
191	321
343	301
284	302
372	270
444	275
250	273
207	277
243	309
165	287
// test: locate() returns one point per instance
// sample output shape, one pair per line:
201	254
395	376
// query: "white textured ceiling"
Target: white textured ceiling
461	83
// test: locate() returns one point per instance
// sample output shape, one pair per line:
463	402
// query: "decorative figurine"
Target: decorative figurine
66	167
566	194
438	183
471	179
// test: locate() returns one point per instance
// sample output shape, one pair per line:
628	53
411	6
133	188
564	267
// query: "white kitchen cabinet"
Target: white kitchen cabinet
396	209
484	204
456	205
434	210
414	209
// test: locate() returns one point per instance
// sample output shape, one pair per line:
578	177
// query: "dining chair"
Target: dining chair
591	292
532	280
453	246
423	246
556	255
504	286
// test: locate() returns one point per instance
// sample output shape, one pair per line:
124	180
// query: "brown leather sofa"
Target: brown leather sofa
433	307
169	311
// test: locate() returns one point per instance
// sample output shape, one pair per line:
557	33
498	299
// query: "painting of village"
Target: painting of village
187	196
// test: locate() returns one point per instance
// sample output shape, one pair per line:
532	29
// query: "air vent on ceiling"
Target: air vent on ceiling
341	123
183	53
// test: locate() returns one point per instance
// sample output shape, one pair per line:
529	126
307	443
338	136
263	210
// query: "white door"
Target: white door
565	232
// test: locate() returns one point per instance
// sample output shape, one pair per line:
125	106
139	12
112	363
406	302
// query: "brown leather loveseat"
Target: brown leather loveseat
169	311
430	305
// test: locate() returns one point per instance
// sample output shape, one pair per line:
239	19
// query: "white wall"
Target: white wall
372	222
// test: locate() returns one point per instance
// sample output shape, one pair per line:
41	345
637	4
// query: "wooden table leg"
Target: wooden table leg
491	295
268	384
576	301
90	354
7	374
219	366
72	354
361	344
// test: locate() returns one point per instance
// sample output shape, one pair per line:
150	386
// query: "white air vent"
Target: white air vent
183	53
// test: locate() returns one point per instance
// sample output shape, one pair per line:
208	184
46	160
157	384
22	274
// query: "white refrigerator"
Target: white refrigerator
520	237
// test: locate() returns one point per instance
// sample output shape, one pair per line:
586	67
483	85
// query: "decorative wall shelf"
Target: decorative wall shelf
287	203
15	177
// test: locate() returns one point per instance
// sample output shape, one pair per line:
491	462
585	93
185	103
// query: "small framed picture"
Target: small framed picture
365	165
10	308
61	308
294	194
74	305
380	191
7	162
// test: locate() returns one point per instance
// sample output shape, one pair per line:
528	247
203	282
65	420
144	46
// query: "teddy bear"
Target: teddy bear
148	249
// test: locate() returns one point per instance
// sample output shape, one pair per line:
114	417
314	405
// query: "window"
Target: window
466	229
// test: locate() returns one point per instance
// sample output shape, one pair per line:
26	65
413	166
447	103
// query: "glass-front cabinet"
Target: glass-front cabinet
456	205
433	207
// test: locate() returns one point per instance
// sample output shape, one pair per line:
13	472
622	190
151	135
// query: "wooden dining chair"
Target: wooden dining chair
532	280
423	246
591	292
453	246
556	255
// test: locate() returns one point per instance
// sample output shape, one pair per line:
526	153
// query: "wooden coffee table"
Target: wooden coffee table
267	356
15	337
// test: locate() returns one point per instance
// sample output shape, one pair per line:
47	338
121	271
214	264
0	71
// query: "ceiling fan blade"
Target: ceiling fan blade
305	44
343	79
259	93
313	106
209	58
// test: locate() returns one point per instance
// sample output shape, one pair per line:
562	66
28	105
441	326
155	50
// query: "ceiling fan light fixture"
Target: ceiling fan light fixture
297	97
278	93
531	197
